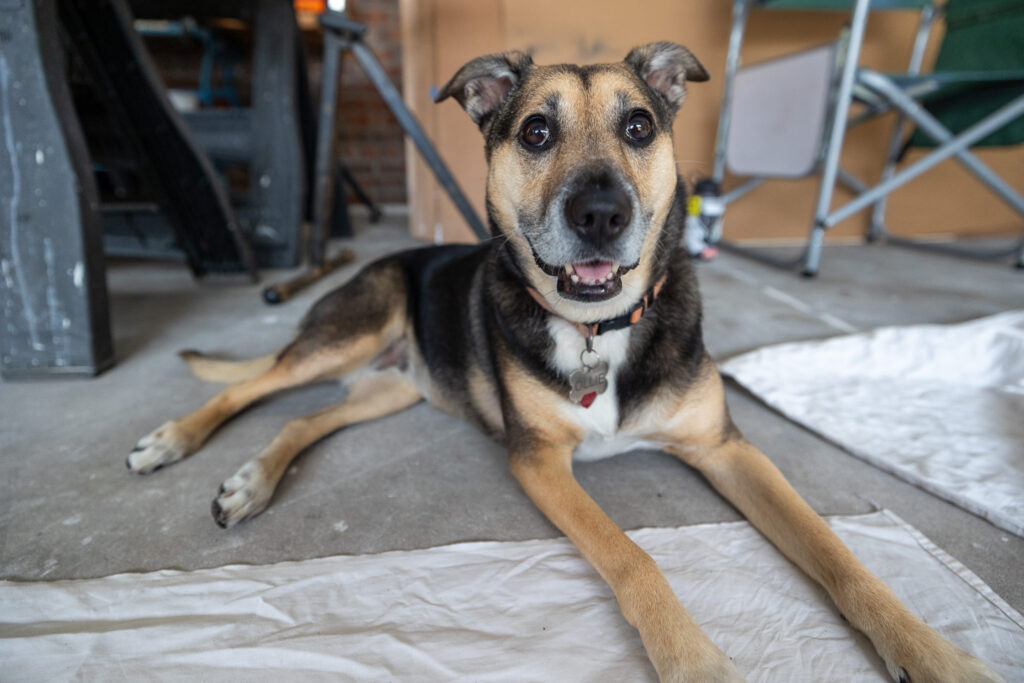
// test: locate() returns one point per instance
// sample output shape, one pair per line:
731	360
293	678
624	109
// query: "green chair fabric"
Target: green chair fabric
980	67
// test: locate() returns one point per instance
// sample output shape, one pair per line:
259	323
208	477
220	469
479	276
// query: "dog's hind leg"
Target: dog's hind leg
344	330
250	489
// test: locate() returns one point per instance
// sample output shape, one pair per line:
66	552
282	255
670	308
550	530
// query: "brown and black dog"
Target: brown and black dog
576	334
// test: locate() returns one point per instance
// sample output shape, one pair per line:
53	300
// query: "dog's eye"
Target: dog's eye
639	126
536	132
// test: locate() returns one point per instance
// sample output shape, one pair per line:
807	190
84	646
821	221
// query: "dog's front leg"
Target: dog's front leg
676	645
911	649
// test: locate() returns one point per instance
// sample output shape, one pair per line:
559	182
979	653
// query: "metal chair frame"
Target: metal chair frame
879	94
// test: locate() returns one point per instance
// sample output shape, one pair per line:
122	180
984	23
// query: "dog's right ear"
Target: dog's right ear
666	67
482	85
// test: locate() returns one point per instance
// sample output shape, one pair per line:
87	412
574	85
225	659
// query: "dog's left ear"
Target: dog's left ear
666	67
483	85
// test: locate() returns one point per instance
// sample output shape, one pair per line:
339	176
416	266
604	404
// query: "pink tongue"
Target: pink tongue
593	271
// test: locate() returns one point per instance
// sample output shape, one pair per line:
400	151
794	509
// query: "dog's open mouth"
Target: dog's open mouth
589	281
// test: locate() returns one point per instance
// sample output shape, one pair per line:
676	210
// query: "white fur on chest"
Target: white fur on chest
599	422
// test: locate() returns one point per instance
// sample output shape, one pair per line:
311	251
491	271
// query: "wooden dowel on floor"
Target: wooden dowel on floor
281	292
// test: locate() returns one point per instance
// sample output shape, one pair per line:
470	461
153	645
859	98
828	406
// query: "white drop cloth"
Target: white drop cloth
527	611
941	406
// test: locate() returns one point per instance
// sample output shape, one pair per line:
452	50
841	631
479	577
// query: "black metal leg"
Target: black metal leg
348	179
342	34
277	169
307	125
412	128
323	192
341	222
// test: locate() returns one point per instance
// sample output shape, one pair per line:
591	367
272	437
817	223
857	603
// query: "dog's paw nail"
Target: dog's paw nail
162	447
218	514
242	495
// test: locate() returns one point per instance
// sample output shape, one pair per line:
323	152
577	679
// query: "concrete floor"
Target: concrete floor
70	509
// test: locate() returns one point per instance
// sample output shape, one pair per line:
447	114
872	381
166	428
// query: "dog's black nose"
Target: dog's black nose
598	214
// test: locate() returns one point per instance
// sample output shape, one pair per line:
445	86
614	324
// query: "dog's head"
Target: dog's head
581	170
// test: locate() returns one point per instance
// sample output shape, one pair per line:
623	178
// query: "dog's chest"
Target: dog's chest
599	422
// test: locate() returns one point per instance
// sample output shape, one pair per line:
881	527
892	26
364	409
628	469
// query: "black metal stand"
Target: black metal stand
340	34
341	223
345	178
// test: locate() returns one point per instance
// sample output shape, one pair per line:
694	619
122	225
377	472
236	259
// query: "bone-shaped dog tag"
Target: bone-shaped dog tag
590	380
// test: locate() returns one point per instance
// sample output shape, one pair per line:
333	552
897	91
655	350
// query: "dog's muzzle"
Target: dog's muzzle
592	236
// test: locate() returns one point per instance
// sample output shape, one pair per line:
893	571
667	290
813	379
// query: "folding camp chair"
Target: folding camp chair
976	95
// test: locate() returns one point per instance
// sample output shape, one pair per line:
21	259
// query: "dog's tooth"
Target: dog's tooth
568	269
574	277
615	268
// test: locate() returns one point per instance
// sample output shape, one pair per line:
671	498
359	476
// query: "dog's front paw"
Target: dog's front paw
165	445
932	659
243	495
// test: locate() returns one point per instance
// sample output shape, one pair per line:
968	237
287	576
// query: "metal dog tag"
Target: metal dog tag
590	380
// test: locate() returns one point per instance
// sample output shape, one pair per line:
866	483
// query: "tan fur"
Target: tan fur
180	438
199	425
249	491
521	182
536	407
696	419
226	371
485	399
745	477
542	463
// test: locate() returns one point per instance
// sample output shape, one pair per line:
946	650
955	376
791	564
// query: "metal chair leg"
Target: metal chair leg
837	133
740	11
812	257
876	229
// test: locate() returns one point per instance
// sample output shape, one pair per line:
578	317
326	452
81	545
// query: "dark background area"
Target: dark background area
369	138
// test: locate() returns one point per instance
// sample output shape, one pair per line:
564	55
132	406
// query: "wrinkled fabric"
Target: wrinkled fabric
941	406
524	611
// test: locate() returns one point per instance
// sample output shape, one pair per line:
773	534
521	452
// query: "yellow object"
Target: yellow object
694	205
